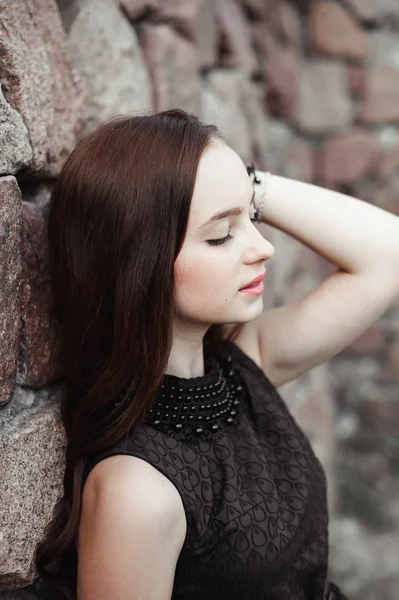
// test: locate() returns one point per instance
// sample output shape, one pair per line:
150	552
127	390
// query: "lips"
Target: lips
254	281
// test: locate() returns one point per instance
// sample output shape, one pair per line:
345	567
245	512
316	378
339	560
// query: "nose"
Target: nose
261	249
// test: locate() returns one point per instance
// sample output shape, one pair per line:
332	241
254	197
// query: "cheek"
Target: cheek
202	277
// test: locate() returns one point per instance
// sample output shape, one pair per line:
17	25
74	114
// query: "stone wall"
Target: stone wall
309	90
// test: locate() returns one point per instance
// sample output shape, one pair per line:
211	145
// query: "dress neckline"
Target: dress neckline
199	407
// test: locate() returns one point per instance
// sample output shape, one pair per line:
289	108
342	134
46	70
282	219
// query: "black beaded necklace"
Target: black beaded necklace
198	407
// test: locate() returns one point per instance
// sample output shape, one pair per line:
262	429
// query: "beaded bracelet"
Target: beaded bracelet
259	209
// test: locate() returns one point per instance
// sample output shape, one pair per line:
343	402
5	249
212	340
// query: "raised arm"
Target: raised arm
362	240
131	532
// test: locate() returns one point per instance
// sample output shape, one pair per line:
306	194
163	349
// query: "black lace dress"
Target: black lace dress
253	491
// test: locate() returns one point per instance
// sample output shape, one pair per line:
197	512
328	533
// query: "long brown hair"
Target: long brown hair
116	222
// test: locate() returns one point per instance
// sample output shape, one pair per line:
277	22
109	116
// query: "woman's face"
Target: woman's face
209	271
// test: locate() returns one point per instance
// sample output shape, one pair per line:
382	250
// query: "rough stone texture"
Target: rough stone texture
324	105
10	270
334	32
105	50
36	367
235	37
38	82
172	63
221	103
31	470
381	103
348	157
16	151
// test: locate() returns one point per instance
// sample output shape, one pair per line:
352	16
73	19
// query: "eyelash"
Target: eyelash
220	241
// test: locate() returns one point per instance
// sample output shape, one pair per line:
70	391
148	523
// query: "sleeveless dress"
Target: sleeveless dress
253	491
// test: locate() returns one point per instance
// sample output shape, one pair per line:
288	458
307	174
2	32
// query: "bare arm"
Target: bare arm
362	241
131	532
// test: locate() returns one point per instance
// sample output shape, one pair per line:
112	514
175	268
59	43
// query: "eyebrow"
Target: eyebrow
227	213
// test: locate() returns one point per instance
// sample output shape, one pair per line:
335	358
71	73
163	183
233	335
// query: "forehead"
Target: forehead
221	183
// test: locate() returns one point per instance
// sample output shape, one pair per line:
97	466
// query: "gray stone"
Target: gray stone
15	148
324	104
105	51
38	82
384	49
336	33
10	271
32	448
172	62
37	364
222	106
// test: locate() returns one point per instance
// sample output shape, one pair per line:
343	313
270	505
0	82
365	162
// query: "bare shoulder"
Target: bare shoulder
132	523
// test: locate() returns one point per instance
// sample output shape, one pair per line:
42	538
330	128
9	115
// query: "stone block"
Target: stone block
172	62
39	83
381	102
32	447
336	33
348	156
36	364
16	151
221	104
105	51
10	272
324	102
236	42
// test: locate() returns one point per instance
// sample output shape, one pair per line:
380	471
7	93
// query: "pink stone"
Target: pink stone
38	81
235	37
281	68
369	342
300	161
381	103
35	365
172	63
336	33
357	80
10	272
348	156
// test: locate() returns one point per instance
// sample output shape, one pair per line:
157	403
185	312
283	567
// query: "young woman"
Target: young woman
186	476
